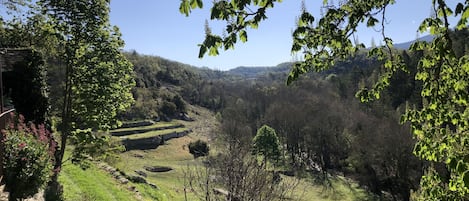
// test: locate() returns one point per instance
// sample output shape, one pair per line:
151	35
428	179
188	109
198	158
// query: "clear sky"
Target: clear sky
155	27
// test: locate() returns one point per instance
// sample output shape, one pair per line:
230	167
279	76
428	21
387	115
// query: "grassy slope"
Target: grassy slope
339	189
173	154
91	184
95	184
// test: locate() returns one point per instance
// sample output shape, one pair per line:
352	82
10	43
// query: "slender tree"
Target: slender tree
98	78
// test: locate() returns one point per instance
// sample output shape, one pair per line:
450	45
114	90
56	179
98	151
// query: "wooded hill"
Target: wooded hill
263	134
322	126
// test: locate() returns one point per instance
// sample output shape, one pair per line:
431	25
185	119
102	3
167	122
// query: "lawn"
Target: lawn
95	184
91	184
339	189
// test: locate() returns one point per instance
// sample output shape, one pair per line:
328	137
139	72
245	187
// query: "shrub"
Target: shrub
180	104
27	161
168	109
199	148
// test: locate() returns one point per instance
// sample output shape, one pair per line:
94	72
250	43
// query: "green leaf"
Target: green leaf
459	8
243	36
371	22
213	51
202	51
465	14
184	7
200	3
194	4
466	178
419	133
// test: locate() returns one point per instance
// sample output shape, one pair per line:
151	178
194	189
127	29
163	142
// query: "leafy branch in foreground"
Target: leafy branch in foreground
441	126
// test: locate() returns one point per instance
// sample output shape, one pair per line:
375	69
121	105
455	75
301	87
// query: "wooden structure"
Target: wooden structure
8	57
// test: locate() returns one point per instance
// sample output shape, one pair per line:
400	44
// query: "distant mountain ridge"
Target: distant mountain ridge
253	72
256	71
406	45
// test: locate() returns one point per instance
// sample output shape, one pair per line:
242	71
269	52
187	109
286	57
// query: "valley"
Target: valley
86	116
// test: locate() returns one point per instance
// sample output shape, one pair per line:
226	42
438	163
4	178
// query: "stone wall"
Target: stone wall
151	142
174	135
137	124
142	144
138	131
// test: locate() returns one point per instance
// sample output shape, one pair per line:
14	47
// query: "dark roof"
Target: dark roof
9	56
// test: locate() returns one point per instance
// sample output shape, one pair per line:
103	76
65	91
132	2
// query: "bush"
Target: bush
27	161
180	104
199	148
168	109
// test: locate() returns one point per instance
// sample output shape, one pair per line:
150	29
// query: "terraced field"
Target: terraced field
174	154
153	133
142	129
147	134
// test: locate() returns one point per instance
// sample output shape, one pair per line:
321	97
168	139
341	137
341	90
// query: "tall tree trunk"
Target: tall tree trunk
54	188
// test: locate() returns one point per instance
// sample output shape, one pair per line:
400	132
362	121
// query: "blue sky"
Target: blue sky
155	27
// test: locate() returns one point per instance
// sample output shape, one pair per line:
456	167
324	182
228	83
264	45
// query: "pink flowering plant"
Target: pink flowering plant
28	155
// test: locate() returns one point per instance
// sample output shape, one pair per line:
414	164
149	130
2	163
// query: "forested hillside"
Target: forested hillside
322	127
164	88
320	123
342	122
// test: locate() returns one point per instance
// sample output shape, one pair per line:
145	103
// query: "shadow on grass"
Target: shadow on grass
338	188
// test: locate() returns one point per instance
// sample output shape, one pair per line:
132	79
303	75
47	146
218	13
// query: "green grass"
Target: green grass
156	125
174	153
94	184
151	194
152	133
91	184
339	189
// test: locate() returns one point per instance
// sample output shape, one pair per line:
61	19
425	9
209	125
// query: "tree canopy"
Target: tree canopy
266	143
97	78
440	124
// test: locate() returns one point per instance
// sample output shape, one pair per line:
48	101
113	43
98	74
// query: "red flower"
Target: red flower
22	145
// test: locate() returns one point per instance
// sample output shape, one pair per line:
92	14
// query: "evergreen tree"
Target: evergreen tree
266	143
